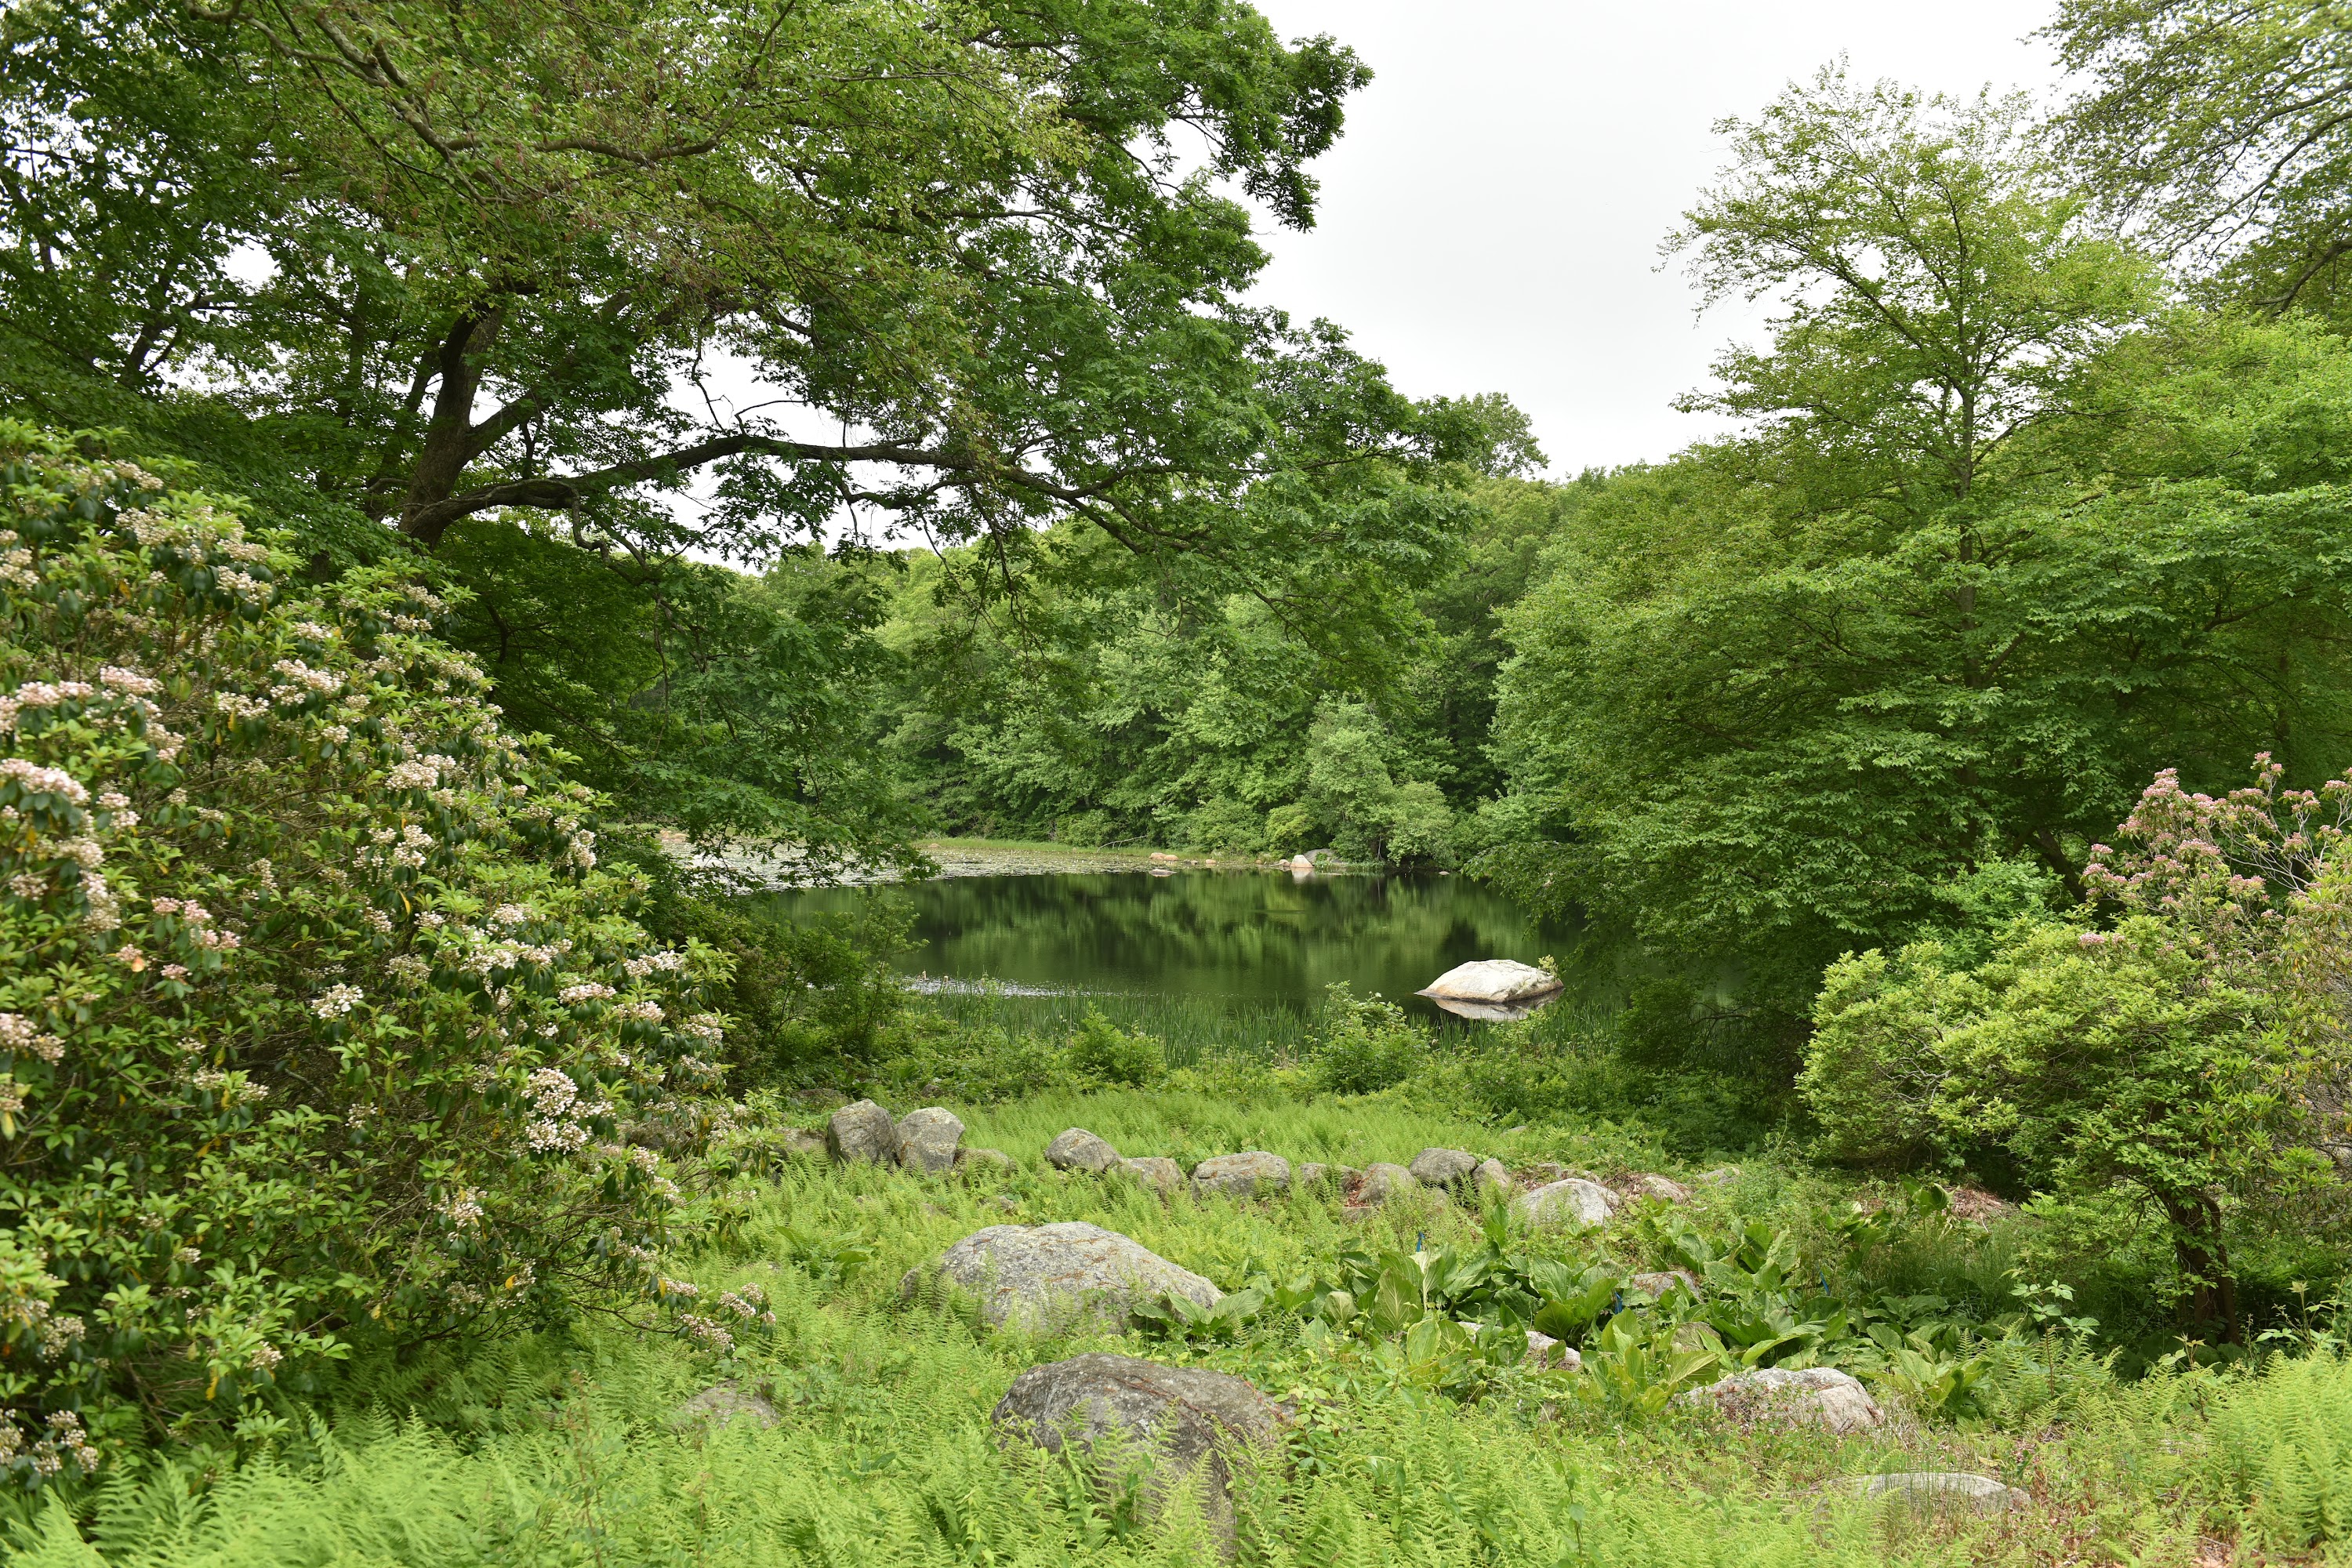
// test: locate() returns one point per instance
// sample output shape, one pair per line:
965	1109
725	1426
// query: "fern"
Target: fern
2282	1449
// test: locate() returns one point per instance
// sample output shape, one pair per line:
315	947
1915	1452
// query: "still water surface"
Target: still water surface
1248	936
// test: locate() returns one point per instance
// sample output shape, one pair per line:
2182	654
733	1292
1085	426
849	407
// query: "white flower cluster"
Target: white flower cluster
423	772
337	1000
238	706
707	1027
559	1115
750	1303
65	1442
233	1087
18	1033
35	779
407	848
639	1012
463	1208
586	991
639	968
301	683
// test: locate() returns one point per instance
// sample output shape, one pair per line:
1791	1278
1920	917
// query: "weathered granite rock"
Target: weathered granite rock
928	1140
1570	1201
1498	982
1050	1275
1657	1285
1307	1176
1490	1176
1383	1183
1080	1149
862	1132
1721	1176
1953	1492
721	1403
800	1143
1181	1427
1644	1184
1242	1175
1442	1167
1161	1174
984	1163
1820	1395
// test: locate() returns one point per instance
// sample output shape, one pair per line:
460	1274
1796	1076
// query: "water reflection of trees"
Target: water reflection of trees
1226	934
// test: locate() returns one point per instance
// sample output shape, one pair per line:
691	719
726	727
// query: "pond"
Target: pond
1252	938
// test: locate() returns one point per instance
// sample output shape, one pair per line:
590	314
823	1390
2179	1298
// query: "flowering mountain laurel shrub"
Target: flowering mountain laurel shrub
2185	1067
318	1020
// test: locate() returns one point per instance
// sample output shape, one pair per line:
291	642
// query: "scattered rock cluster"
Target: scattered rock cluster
931	1141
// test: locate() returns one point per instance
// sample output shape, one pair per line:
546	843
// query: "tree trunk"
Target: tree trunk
448	440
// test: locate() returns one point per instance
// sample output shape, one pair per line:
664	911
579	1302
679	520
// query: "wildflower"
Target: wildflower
18	1033
35	779
337	1000
586	991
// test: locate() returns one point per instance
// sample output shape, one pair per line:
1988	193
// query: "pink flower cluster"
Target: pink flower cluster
2226	862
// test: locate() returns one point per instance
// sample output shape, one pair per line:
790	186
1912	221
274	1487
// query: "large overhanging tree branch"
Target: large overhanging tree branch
956	232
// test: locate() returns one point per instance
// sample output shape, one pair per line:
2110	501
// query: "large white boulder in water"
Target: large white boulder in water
1499	981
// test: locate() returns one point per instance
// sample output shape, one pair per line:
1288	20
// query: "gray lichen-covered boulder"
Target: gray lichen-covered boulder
1180	1426
1721	1176
1161	1174
974	1163
1818	1395
1443	1167
1048	1277
1243	1176
723	1405
1940	1491
1080	1149
1571	1201
1383	1183
1492	1177
928	1140
800	1143
1314	1177
1665	1189
862	1133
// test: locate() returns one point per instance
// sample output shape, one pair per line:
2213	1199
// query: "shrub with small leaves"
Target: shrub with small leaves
317	1020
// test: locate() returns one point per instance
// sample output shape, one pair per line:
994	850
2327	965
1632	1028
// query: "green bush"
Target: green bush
318	1018
1365	1044
1103	1053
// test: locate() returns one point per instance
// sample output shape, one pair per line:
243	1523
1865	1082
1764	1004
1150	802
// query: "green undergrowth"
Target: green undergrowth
562	1446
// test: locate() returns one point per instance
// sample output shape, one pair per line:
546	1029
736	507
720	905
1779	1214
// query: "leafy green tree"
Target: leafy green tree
1997	543
2221	129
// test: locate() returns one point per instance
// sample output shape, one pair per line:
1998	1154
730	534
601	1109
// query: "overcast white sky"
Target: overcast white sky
1490	220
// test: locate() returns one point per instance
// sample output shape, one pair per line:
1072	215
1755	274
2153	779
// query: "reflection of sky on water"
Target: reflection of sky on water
1249	935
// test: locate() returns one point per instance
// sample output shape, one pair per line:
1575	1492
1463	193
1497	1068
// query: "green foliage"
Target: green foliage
2209	123
2067	1050
2282	1452
320	1019
1364	1044
1102	1053
1793	694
